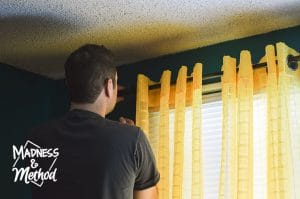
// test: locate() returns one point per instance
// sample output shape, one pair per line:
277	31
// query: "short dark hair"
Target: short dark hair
87	70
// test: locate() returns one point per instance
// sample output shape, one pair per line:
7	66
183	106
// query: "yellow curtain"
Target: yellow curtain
282	88
245	127
179	133
180	161
164	154
227	187
169	146
142	114
197	176
288	136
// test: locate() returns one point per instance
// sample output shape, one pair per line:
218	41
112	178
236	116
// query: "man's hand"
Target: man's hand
124	120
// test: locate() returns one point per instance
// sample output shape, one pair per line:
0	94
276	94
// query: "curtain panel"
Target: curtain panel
277	86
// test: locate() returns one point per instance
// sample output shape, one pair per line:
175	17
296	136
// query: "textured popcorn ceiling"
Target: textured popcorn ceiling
37	35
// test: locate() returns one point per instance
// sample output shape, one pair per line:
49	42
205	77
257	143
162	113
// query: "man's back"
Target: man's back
98	158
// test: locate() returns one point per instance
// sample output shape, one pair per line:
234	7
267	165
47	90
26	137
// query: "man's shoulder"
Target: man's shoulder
126	129
115	129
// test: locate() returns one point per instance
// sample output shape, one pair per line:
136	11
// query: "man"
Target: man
98	158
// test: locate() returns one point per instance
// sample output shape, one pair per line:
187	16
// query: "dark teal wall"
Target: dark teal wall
26	99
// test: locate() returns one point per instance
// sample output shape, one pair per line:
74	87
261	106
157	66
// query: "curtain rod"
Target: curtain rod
291	61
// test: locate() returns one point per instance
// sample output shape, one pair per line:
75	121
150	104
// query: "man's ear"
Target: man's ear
108	87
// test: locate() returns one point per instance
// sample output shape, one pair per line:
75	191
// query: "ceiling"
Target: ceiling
39	35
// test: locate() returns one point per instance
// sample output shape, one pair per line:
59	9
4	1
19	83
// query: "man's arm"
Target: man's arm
147	175
150	193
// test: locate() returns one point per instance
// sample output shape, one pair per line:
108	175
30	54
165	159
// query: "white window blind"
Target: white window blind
211	145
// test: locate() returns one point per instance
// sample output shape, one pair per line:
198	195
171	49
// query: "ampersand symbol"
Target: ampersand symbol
33	164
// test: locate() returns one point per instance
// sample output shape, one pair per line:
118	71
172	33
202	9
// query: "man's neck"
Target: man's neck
96	108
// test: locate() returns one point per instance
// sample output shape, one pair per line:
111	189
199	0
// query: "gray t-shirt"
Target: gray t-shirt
98	158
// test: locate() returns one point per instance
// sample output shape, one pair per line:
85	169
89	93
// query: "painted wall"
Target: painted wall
26	99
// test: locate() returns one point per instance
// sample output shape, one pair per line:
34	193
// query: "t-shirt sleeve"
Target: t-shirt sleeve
147	174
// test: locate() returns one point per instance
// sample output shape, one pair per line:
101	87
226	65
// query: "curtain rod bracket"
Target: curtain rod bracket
292	62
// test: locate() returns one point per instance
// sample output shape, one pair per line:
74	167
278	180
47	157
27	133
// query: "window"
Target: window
211	144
